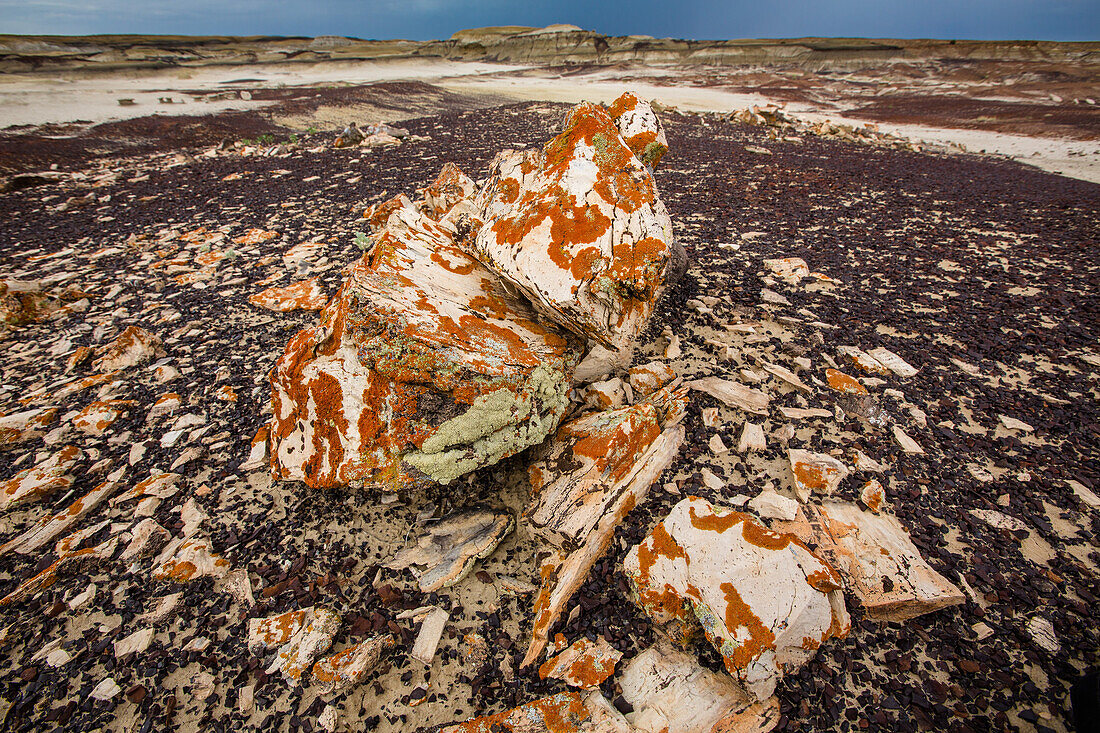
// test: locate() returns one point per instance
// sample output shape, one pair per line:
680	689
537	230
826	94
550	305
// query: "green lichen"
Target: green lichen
651	156
499	424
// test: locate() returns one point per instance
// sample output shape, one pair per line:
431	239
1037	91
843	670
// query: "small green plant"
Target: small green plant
312	130
362	240
293	138
231	254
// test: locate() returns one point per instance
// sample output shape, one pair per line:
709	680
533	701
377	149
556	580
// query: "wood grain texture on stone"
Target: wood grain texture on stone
877	559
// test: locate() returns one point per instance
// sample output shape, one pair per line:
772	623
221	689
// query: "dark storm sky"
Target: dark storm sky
703	19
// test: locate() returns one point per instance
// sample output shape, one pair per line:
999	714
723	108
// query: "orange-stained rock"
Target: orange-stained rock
307	295
132	347
347	668
45	529
41	480
841	382
423	368
306	644
876	558
26	425
565	712
450	187
99	416
24	302
815	473
255	236
790	270
274	630
184	560
763	599
639	127
648	378
584	664
597	469
579	228
34	585
378	214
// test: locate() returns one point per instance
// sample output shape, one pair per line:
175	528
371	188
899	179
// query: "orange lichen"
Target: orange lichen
256	236
739	616
841	382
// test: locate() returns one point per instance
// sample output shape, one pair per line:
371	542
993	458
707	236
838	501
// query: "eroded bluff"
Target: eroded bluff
453	341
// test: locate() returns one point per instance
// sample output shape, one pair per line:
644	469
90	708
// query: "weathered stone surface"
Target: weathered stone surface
640	128
608	394
148	537
422	369
449	548
41	480
861	359
773	505
305	295
311	640
790	270
51	526
449	187
566	712
431	631
733	394
99	416
893	362
877	560
135	643
44	579
132	347
184	560
752	438
597	485
815	473
762	598
646	379
579	228
584	664
672	693
26	425
844	383
274	630
347	668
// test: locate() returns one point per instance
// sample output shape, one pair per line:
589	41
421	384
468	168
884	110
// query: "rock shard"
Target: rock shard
763	599
672	693
449	548
599	467
876	558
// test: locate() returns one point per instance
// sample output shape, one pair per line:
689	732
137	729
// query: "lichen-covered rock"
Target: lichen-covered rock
640	128
305	295
584	664
449	187
274	631
815	473
41	480
23	302
647	378
566	712
763	599
26	425
876	558
422	369
598	468
579	228
310	641
132	347
347	668
184	560
99	416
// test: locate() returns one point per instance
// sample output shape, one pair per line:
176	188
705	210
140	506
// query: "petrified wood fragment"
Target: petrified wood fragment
877	560
599	468
449	548
422	369
578	227
763	599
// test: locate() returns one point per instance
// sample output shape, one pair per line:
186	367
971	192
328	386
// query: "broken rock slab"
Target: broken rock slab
579	228
50	527
422	369
347	668
132	347
23	426
187	559
305	295
450	547
566	712
312	638
876	558
41	480
733	394
584	664
763	599
672	693
598	468
815	473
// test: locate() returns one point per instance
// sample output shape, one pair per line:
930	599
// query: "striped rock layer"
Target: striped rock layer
453	341
763	599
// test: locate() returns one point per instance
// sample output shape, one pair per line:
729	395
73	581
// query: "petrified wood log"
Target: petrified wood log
422	369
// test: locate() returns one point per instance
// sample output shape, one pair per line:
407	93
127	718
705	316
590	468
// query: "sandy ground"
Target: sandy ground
35	100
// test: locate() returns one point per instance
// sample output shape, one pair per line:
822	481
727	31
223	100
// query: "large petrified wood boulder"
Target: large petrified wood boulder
423	368
763	599
578	227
